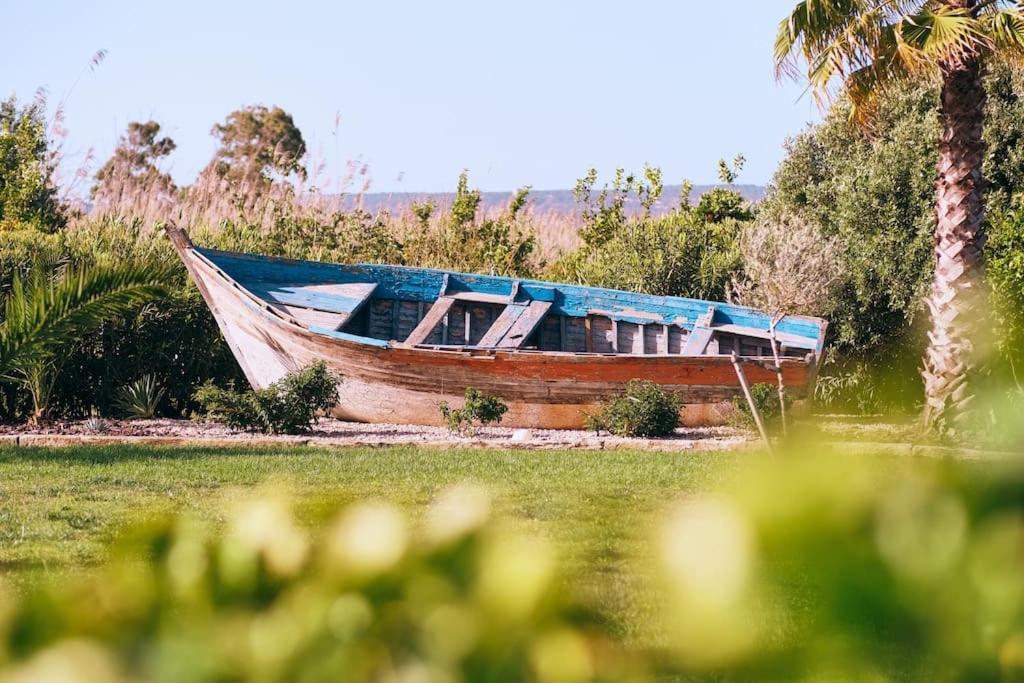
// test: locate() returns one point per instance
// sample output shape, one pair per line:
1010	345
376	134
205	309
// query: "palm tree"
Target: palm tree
863	48
43	314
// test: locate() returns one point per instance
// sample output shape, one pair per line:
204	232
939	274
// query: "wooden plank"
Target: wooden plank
500	327
561	334
342	299
479	297
434	316
396	309
663	342
697	341
524	325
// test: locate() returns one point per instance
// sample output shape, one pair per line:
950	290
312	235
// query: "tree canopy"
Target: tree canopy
134	162
257	143
28	193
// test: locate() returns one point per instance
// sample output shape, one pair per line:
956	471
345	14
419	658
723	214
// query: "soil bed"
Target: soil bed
331	432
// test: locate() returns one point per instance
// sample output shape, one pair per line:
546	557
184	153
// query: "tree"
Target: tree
863	48
133	167
256	143
28	193
789	267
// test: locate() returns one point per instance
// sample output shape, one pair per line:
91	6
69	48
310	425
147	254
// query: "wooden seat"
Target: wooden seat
697	341
700	336
514	326
431	320
502	324
524	325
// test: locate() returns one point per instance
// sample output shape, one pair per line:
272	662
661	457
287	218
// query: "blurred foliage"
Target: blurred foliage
288	406
28	193
845	568
363	599
690	251
477	409
645	409
811	566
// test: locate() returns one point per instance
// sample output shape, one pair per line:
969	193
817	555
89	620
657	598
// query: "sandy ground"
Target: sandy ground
334	432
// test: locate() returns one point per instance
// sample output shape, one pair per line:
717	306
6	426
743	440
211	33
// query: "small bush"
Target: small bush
479	409
288	406
644	410
140	398
766	398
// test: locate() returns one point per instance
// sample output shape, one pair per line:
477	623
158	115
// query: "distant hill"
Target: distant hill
541	201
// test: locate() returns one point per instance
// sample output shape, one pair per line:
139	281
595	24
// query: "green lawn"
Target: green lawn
60	507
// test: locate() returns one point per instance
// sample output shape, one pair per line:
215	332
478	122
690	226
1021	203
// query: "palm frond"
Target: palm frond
863	47
945	34
41	314
1006	29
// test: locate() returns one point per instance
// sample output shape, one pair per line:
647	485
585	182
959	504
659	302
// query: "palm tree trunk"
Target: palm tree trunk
956	302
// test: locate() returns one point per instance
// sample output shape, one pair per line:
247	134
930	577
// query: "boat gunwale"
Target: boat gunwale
431	349
820	323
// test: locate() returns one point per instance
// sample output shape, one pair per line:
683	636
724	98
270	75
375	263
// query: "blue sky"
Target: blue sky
519	93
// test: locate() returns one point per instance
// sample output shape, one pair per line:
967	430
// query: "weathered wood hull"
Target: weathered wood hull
396	384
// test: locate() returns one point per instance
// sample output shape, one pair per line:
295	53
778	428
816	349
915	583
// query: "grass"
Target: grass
59	508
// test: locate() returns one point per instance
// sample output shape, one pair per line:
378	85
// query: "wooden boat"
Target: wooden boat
404	339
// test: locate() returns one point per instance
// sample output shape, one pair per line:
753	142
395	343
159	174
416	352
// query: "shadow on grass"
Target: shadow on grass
109	453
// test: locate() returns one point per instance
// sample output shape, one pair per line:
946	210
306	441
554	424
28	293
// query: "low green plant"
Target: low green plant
766	399
645	410
288	406
477	410
139	399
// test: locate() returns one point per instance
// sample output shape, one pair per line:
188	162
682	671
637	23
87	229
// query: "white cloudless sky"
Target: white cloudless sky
519	93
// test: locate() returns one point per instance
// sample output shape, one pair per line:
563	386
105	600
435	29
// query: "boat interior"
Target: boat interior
425	308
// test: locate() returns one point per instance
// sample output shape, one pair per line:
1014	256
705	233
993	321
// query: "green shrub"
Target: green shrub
645	410
766	399
1004	252
139	399
478	409
288	406
691	251
467	239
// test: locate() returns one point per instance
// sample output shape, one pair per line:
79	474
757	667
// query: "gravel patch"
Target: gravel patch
332	432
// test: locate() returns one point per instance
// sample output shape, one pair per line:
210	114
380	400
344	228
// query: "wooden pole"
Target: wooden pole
750	401
776	319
